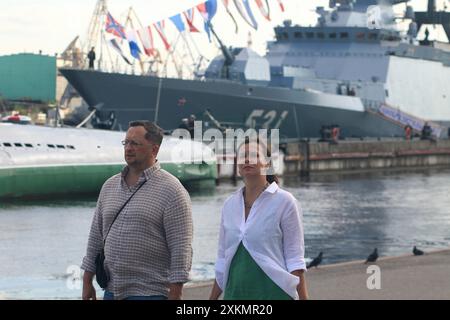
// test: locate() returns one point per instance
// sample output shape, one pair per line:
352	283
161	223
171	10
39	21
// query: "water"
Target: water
345	216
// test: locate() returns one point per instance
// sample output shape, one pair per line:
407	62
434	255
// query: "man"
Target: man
148	251
184	124
408	132
91	57
191	125
426	132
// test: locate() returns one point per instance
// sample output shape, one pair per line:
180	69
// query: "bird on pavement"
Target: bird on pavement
373	256
417	252
316	261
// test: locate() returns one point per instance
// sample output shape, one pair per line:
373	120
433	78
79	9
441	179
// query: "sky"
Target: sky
50	25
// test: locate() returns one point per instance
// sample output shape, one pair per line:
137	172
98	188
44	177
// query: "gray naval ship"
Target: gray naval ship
355	70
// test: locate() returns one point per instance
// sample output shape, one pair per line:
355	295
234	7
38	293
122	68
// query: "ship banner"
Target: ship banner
405	119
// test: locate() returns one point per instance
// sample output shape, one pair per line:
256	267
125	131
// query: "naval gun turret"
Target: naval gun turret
239	64
227	55
248	67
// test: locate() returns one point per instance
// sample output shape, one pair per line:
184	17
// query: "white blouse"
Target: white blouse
272	234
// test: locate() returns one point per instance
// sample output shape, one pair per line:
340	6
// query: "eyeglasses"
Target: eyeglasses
132	143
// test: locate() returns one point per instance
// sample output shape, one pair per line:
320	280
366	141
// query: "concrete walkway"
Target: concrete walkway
404	277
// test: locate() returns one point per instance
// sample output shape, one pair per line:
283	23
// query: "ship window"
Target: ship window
321	35
18	144
60	146
373	36
332	35
285	35
310	35
298	35
387	93
387	37
51	146
344	35
28	145
70	147
7	144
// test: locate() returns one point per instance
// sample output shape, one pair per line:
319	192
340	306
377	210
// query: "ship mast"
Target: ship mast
96	24
129	21
431	16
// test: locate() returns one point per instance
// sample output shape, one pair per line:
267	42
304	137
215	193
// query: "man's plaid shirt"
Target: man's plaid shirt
150	243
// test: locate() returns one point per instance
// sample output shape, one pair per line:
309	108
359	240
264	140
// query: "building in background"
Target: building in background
28	77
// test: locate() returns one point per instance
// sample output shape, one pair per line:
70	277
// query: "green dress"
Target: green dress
247	281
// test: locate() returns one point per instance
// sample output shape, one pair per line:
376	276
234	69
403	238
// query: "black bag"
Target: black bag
101	275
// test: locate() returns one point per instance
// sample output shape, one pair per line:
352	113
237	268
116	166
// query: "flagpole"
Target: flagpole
129	20
173	46
141	27
109	52
189	48
158	97
191	38
99	63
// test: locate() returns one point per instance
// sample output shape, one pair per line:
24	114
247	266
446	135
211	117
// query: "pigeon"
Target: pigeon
417	252
317	260
373	256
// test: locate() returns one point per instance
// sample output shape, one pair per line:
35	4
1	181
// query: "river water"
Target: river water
345	216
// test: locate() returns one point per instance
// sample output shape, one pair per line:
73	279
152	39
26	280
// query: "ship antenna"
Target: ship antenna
250	40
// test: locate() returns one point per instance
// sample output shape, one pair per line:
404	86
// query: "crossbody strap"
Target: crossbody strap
126	202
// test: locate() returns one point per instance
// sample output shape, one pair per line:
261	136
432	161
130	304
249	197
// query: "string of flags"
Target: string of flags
183	21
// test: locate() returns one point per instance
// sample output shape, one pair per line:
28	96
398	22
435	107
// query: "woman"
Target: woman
261	247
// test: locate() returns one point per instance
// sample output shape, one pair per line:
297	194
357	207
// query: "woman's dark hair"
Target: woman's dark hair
269	177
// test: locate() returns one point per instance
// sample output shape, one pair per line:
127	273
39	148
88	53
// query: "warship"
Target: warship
355	70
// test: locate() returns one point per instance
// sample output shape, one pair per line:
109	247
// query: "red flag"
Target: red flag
112	26
202	9
146	37
265	12
281	5
189	15
159	26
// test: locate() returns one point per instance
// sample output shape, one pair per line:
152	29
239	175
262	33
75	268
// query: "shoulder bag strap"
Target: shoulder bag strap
126	202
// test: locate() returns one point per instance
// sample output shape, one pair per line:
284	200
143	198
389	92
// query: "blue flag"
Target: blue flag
208	11
250	13
134	47
178	22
